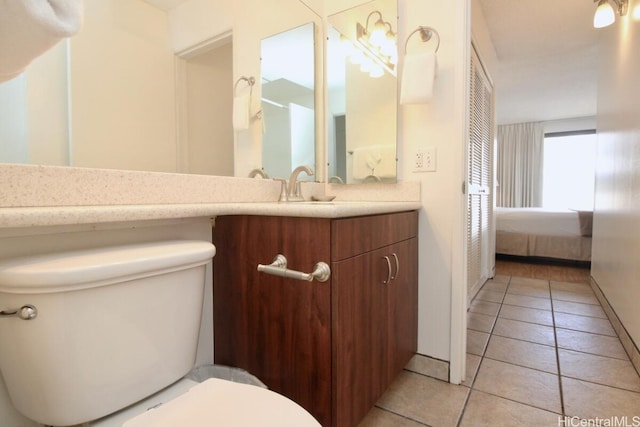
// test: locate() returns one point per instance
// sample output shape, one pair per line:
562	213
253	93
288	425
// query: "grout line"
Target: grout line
400	415
555	337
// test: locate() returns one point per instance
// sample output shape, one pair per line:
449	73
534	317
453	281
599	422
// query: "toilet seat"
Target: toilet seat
217	402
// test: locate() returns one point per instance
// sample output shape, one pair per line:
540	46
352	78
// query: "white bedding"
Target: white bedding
538	221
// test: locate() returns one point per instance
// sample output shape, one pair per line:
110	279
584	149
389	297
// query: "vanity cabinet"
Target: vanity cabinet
333	347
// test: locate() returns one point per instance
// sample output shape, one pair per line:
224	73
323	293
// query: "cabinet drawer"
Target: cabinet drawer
354	236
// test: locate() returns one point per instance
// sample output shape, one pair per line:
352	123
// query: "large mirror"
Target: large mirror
362	93
288	101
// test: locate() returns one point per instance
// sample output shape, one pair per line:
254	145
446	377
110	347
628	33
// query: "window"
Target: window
569	170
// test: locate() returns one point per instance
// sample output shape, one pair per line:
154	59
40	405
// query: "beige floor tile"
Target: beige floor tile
529	281
476	342
527	301
523	353
500	278
590	401
428	366
569	274
574	287
524	314
576	322
524	331
380	418
485	307
524	385
578	308
574	297
472	365
485	410
498	284
598	369
480	322
529	287
489	295
591	343
424	399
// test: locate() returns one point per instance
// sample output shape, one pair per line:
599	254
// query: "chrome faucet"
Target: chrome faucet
256	172
294	193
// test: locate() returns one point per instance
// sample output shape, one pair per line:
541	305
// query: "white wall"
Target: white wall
123	88
440	124
209	120
616	227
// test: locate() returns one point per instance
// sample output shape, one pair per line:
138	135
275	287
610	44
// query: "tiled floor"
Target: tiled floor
541	352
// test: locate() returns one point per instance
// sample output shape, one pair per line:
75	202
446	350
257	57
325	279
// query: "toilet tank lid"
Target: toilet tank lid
87	268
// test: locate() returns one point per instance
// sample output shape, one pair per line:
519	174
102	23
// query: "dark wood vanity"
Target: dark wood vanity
335	346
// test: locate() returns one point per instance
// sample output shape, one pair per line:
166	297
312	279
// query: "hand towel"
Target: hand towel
360	165
28	28
418	74
387	166
241	116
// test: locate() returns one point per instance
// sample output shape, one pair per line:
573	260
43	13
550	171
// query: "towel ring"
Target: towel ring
426	33
250	81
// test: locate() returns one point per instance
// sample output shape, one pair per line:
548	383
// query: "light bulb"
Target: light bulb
378	34
605	15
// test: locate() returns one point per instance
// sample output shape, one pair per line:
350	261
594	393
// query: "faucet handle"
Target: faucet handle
283	190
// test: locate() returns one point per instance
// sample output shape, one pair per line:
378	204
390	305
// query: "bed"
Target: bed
544	233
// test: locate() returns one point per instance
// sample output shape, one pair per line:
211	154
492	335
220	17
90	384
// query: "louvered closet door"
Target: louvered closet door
480	229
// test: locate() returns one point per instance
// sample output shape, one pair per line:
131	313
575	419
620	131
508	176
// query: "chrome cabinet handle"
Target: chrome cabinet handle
395	257
26	312
389	277
321	271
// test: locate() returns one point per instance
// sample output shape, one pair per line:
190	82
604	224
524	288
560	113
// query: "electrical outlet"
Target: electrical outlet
425	159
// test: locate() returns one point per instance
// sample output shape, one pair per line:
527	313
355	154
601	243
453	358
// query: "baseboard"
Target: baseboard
627	342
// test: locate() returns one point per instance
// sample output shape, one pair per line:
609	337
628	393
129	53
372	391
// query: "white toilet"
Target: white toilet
98	336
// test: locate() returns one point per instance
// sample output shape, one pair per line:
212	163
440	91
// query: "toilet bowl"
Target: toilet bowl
98	336
214	402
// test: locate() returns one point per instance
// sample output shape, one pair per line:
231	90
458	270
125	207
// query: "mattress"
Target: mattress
540	221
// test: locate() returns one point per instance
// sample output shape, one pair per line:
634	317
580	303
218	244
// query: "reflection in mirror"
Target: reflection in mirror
362	87
287	74
108	98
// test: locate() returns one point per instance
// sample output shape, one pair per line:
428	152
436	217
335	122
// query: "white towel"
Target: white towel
241	106
28	28
387	166
418	74
378	160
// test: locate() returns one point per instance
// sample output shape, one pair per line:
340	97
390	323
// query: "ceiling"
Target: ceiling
545	58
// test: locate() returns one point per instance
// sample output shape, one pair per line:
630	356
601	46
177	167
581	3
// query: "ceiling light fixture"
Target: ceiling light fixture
605	13
378	45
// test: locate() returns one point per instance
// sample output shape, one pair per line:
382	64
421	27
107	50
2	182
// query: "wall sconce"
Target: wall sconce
605	14
375	49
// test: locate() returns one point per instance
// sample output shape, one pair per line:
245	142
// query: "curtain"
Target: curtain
519	175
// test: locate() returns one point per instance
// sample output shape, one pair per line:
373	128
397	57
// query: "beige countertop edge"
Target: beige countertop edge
69	215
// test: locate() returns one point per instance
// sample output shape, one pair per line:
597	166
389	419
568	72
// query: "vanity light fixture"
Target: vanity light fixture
378	46
605	13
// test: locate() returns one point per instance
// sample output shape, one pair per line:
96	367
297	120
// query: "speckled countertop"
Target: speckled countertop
33	196
69	215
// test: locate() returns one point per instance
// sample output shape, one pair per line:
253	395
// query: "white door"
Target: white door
480	175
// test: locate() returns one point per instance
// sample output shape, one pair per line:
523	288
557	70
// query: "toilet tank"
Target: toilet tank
113	326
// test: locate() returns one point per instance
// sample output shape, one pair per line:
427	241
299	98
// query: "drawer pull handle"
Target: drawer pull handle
395	257
389	276
321	271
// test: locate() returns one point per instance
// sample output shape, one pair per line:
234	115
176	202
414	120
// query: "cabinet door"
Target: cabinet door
359	307
402	306
277	329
